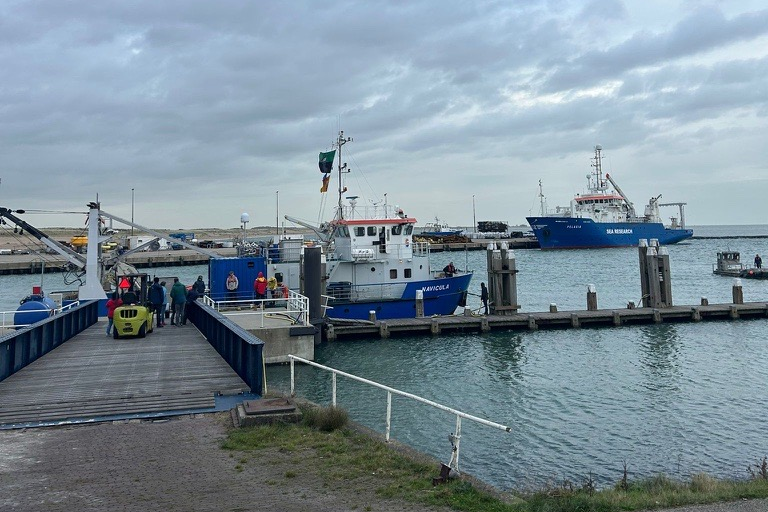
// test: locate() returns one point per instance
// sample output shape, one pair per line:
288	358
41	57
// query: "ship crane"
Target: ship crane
623	196
681	206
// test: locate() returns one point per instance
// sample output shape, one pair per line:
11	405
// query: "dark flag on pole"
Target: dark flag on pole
326	161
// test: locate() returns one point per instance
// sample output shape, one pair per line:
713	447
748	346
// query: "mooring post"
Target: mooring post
652	273
312	267
372	316
591	298
419	303
738	292
642	250
665	278
552	307
704	301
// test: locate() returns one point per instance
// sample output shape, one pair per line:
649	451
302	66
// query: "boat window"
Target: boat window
407	273
393	273
396	230
388	233
371	230
344	232
409	229
359	231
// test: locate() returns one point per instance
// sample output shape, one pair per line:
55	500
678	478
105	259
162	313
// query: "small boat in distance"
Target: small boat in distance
729	264
604	217
439	229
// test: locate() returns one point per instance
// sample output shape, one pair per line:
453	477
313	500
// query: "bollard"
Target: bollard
467	311
372	316
631	304
591	298
419	303
552	307
738	292
704	301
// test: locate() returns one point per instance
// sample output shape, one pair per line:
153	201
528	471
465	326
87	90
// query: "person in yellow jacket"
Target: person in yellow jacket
272	287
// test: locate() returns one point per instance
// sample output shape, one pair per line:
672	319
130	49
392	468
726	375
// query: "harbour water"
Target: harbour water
677	399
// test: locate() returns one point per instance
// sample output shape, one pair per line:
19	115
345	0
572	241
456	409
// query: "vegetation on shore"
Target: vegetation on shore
341	454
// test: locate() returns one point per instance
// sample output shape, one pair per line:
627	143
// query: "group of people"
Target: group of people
180	298
263	288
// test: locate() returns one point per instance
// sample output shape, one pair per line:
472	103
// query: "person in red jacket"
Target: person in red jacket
260	288
113	303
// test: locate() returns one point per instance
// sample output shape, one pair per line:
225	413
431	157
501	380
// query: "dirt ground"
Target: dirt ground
168	465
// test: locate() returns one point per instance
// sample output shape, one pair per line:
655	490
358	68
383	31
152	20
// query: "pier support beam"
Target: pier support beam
575	323
502	279
696	314
383	330
532	326
733	312
616	318
657	316
484	325
434	327
330	333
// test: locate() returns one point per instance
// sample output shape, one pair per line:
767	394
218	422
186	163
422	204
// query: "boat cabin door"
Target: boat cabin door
383	239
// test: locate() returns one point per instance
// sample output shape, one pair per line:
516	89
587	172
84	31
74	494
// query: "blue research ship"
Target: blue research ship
604	218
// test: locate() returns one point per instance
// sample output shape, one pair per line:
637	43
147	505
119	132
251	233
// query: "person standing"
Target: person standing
260	288
232	285
179	298
192	296
165	301
199	286
113	303
156	298
449	270
272	287
484	296
758	261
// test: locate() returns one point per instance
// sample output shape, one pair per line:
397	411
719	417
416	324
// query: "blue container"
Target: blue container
33	311
246	269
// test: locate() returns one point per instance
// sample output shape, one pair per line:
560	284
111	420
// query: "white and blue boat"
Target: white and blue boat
439	229
604	217
371	260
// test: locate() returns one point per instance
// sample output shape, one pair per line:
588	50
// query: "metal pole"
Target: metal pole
474	218
293	387
389	413
333	385
131	212
277	213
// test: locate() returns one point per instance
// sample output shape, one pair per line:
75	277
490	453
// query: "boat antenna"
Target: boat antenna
541	200
342	168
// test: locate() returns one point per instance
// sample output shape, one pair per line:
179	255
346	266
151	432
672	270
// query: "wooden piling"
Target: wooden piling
591	298
738	292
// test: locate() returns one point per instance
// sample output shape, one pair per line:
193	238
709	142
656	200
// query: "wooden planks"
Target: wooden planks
173	368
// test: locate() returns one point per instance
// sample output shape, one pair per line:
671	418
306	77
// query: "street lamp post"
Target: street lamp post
131	212
474	218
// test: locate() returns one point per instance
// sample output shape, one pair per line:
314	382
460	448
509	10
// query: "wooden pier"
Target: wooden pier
93	375
336	330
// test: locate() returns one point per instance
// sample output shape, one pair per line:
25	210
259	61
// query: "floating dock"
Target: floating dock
336	330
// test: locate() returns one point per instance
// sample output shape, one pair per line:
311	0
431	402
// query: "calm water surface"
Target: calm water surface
677	399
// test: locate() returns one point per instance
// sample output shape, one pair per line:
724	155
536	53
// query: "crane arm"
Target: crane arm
73	257
623	195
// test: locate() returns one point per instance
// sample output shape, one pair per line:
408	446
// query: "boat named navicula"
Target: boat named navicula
604	217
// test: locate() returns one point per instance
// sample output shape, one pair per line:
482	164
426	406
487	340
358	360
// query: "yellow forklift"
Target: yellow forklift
134	317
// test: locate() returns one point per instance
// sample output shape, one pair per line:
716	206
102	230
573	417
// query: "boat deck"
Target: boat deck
93	375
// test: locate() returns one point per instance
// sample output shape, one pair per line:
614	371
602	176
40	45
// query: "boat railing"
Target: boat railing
454	437
372	253
380	211
294	308
345	291
9	318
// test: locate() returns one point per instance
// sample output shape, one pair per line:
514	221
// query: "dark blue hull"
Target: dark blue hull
577	233
441	297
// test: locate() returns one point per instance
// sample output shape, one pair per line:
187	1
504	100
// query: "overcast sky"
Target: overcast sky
208	109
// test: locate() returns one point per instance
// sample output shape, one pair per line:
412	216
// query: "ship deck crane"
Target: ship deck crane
623	196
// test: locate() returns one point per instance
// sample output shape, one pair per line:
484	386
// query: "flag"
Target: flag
326	161
326	179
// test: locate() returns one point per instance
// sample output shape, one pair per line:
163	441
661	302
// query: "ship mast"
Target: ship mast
542	207
597	163
342	167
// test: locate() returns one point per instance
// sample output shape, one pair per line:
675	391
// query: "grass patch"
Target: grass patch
341	455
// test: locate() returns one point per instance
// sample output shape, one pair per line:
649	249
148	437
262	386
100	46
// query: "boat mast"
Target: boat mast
542	207
339	143
597	163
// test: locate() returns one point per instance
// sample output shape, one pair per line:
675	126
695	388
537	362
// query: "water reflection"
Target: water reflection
504	355
659	354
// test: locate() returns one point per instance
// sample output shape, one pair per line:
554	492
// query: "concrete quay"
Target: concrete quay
37	263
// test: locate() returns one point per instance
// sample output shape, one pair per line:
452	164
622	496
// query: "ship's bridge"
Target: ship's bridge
367	238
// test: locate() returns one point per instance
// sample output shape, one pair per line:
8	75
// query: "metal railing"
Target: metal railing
295	307
21	347
455	437
242	350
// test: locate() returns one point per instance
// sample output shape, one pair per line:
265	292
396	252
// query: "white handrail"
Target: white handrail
51	312
455	437
295	303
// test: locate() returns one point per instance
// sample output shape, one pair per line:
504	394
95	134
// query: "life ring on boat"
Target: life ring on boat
407	242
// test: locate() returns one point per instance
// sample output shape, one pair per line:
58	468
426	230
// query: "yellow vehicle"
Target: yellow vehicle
135	316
